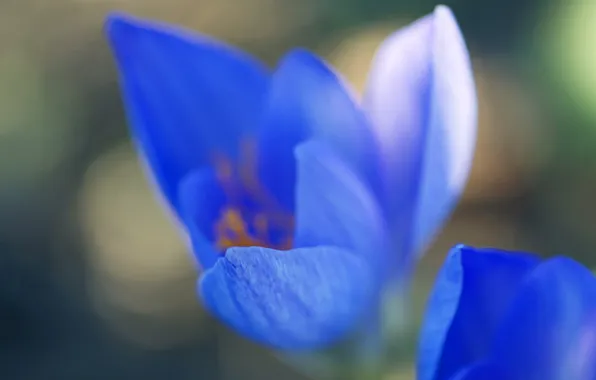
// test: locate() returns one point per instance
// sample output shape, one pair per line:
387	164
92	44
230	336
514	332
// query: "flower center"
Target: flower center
251	217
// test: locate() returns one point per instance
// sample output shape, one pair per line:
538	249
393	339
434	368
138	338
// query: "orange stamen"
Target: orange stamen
232	228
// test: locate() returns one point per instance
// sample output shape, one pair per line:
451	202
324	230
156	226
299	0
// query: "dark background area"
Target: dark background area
95	280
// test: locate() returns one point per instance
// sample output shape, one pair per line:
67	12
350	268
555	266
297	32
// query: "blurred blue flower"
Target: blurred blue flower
288	188
496	315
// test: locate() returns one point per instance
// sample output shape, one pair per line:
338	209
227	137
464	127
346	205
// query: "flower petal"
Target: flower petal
422	103
292	300
200	200
187	96
550	331
308	100
471	294
335	207
480	371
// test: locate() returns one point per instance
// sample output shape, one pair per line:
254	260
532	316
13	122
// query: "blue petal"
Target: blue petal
200	200
335	207
421	101
470	296
292	300
314	294
308	100
550	331
481	371
186	96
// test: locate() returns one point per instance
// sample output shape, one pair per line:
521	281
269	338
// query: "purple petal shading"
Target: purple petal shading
550	331
421	101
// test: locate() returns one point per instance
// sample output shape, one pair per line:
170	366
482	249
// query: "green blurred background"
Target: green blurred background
96	282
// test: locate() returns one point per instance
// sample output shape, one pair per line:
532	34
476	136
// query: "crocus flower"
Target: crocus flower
496	315
300	202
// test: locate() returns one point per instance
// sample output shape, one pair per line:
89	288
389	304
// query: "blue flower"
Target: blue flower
496	315
300	203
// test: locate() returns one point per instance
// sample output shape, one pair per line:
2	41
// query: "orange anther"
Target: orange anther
232	228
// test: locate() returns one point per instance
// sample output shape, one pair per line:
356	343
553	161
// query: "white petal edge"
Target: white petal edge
421	100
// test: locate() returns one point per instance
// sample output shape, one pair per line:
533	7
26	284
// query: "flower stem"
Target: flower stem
367	357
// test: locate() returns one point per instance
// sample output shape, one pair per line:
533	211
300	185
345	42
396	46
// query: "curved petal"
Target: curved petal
550	331
294	300
186	96
481	371
308	100
335	207
422	104
471	294
201	199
